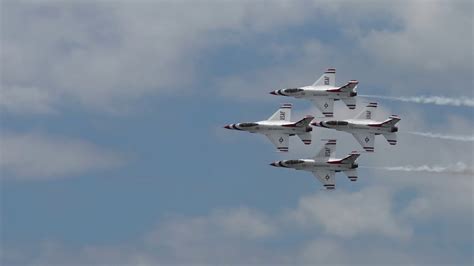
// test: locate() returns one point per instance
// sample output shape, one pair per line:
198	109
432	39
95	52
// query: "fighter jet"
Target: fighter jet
364	128
278	128
324	166
324	92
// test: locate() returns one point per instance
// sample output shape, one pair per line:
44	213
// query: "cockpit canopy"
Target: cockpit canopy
248	124
293	90
293	162
337	123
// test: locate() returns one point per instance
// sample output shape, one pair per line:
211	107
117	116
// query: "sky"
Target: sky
112	150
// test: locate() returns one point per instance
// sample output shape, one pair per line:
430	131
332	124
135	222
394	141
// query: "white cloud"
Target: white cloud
234	223
28	100
36	156
107	54
135	50
221	235
358	228
391	48
436	195
431	39
344	214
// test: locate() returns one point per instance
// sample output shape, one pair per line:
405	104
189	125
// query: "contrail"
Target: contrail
456	169
441	136
438	100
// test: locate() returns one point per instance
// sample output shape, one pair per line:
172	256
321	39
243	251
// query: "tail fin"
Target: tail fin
282	114
304	122
351	158
327	151
327	79
368	112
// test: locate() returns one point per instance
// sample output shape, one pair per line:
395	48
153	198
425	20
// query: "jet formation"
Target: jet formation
323	93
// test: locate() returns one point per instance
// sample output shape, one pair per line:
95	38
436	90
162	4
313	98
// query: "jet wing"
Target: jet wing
366	140
350	102
325	105
326	177
279	140
352	174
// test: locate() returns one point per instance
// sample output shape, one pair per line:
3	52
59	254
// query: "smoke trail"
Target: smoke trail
441	136
456	169
438	100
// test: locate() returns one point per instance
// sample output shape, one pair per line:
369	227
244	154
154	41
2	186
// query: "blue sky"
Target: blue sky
112	147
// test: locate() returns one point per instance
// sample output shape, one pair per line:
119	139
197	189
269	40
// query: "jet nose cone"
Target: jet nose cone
228	127
273	93
273	164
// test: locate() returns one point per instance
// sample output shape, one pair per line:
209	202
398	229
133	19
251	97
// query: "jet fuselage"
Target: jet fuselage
371	126
311	165
309	92
270	126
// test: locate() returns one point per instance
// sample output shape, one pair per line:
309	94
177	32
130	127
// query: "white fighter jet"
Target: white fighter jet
324	92
278	128
324	166
364	128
